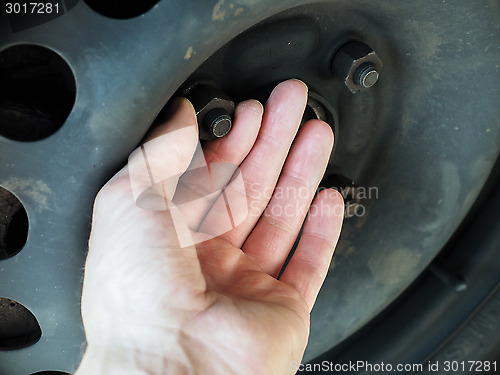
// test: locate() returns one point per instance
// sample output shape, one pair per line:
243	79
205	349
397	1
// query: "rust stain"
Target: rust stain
238	11
390	268
218	13
189	53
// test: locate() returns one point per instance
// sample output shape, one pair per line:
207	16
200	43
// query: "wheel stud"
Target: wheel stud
217	122
366	75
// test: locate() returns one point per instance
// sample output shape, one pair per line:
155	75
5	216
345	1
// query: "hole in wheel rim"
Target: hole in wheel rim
14	225
18	326
37	94
121	9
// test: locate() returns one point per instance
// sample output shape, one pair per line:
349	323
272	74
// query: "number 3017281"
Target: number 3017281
31	8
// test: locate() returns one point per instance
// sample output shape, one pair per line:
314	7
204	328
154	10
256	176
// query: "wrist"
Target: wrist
101	361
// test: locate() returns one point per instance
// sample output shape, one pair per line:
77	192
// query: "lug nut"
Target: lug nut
357	65
217	122
213	111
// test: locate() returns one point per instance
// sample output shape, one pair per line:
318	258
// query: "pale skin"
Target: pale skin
152	307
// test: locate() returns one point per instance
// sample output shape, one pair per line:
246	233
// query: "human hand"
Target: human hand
153	306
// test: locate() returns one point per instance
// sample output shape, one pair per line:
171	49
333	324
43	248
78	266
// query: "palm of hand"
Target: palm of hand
217	307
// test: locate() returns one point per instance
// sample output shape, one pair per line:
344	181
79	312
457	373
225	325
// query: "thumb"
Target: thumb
155	167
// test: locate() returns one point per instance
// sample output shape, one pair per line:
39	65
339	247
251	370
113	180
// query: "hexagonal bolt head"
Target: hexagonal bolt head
214	111
357	65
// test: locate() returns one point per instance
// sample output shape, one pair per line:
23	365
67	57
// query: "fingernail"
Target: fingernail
298	80
260	111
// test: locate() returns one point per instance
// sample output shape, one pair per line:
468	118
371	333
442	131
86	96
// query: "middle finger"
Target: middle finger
262	167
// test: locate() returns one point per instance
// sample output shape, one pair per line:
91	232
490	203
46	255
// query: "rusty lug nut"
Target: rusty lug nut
214	111
357	65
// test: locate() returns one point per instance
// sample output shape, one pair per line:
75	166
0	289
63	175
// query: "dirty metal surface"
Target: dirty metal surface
426	136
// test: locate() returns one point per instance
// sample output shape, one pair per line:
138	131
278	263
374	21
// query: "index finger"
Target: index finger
154	168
